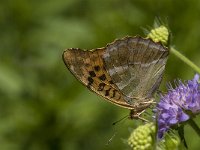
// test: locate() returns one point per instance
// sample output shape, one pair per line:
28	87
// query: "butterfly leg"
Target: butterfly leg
141	118
149	102
152	102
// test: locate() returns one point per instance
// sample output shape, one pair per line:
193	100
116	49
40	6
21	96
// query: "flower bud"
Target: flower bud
141	138
159	34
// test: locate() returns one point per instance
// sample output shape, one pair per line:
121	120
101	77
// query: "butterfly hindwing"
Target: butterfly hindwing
136	66
88	68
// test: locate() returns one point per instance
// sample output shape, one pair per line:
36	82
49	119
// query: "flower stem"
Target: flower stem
194	126
185	59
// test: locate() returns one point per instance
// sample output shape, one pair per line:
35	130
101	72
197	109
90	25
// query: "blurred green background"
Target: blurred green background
42	106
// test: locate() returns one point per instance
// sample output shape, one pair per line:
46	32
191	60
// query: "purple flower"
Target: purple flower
173	106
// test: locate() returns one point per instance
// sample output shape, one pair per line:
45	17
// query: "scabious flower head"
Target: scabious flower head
172	108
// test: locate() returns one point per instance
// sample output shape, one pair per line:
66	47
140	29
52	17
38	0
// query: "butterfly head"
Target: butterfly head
140	107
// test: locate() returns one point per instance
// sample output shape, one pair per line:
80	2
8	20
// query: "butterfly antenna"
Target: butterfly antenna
110	140
115	132
125	117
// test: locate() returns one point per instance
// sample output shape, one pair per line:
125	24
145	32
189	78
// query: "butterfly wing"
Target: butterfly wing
136	66
88	67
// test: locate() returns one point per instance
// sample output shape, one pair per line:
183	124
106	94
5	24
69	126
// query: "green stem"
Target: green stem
185	59
194	126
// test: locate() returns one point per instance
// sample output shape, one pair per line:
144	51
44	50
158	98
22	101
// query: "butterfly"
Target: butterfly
126	72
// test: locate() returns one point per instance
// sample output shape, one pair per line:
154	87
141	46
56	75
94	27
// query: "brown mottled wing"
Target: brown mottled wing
88	67
136	66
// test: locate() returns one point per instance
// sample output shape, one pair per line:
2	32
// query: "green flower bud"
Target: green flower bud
141	137
159	34
169	142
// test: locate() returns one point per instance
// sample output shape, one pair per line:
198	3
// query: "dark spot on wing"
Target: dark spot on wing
111	82
101	86
113	93
107	92
96	68
90	81
92	73
102	77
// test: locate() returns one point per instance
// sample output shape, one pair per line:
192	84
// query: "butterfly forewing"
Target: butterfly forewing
126	72
88	68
